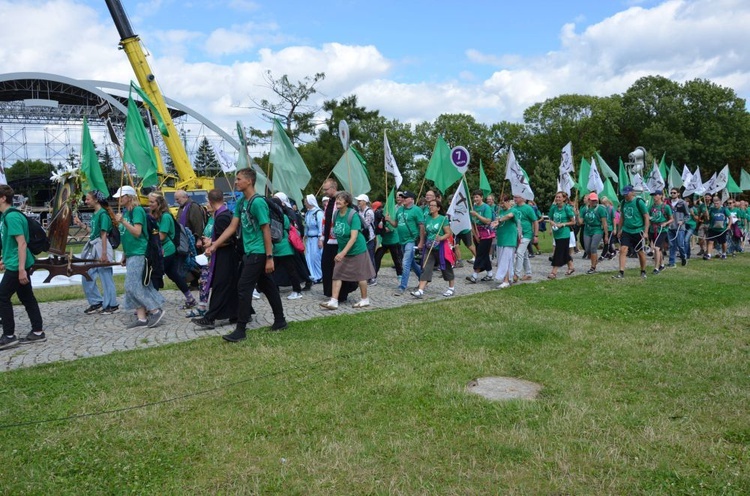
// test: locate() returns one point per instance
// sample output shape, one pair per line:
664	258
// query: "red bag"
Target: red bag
295	239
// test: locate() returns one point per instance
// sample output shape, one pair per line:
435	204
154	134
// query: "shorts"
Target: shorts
718	237
465	238
632	240
658	240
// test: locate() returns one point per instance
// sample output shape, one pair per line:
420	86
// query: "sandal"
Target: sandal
552	276
195	313
570	272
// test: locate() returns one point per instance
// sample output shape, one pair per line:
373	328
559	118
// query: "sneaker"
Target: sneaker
8	342
656	271
619	275
308	285
235	336
93	309
723	256
671	266
294	296
683	262
417	294
33	337
155	318
643	274
504	285
449	292
278	326
330	305
471	261
204	322
707	256
373	282
486	278
365	302
256	295
661	267
110	310
591	271
398	292
471	279
137	324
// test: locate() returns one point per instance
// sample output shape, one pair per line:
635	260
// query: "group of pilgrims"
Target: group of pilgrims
341	242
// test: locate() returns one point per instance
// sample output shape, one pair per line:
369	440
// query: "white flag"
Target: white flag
720	180
686	175
637	183
710	185
227	163
565	180
390	162
518	182
458	212
595	181
655	182
695	185
3	179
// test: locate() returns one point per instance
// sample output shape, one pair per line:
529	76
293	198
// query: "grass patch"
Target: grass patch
646	391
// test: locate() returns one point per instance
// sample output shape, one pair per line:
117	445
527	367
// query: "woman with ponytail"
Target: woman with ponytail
99	248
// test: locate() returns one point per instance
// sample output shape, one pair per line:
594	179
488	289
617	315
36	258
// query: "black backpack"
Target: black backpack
275	213
38	241
113	236
154	270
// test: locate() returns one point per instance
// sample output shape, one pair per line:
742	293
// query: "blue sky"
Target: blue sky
411	60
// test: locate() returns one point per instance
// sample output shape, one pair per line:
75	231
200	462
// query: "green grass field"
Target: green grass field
646	391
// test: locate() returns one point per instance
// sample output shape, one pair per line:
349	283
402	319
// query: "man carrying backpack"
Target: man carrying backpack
251	215
16	260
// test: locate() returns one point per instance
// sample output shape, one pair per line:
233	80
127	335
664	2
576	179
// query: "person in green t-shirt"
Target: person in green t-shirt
16	260
99	248
508	233
719	224
529	221
633	224
145	300
562	217
481	217
660	218
352	260
595	229
173	262
389	241
701	206
437	245
252	217
735	232
409	224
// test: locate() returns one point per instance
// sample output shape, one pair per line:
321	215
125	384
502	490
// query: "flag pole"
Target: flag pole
429	251
349	170
321	184
268	169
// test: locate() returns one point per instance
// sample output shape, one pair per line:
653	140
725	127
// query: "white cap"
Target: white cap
325	198
125	190
363	198
284	199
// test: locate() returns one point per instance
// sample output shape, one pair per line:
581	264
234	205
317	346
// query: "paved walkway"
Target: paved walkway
72	335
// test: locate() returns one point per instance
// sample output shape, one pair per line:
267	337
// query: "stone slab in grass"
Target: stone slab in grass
504	388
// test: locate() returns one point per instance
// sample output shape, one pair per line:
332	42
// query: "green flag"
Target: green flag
361	161
675	178
138	150
731	185
351	173
441	170
484	183
583	177
604	168
663	166
390	204
93	179
290	174
623	176
744	180
609	192
154	111
243	160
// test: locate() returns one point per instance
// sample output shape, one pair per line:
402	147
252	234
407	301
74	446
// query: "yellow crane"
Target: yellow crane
186	179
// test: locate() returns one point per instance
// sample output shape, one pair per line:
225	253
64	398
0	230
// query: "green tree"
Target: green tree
206	163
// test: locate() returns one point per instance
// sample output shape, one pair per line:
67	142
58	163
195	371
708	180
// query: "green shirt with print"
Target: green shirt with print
132	246
12	224
253	213
561	215
100	221
435	226
659	214
717	218
506	232
592	219
632	215
690	222
409	220
343	230
485	211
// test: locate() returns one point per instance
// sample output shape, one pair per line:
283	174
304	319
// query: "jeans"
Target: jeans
406	262
91	291
688	235
676	242
9	286
522	258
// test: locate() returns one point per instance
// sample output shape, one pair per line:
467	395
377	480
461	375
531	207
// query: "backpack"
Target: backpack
113	236
276	215
154	268
182	238
379	222
363	227
38	241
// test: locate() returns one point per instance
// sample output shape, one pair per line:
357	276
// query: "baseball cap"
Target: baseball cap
409	194
400	193
627	189
376	205
125	190
363	198
659	193
594	196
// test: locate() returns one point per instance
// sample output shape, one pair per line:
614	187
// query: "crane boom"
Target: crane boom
131	44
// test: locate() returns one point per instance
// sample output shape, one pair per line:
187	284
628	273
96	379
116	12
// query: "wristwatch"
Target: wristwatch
269	257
